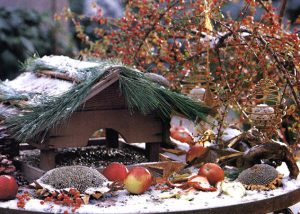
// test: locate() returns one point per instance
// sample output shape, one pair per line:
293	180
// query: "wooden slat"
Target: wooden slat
76	131
56	75
109	98
112	77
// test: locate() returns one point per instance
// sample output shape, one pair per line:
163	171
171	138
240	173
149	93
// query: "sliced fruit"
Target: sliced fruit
234	189
201	183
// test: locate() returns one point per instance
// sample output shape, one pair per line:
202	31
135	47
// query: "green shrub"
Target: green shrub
22	33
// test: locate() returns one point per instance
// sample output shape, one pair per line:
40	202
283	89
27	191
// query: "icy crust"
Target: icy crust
123	202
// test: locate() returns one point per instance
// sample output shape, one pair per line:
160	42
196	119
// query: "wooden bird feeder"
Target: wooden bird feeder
104	108
89	96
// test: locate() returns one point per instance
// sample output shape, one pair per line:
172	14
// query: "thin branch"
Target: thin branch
221	123
263	6
152	28
282	10
282	68
274	55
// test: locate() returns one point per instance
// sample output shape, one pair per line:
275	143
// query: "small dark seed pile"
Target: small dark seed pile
78	177
21	180
98	156
259	174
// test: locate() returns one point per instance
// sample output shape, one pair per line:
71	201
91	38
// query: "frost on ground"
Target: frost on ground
151	201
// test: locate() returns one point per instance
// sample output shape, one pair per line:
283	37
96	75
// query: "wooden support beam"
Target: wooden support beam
166	141
47	161
112	138
152	151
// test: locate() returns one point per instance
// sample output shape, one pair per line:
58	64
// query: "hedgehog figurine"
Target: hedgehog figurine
81	178
260	177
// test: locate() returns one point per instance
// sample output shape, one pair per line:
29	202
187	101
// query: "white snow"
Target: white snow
123	202
230	133
262	112
68	65
197	93
30	83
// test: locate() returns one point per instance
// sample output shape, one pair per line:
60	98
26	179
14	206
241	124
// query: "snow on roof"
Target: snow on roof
30	83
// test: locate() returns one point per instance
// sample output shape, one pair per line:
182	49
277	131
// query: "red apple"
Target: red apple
115	172
8	187
195	152
181	134
213	172
138	180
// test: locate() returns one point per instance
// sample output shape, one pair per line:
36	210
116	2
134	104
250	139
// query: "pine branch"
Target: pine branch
143	95
8	94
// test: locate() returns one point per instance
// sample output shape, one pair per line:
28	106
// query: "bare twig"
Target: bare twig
221	123
263	6
280	65
282	68
282	10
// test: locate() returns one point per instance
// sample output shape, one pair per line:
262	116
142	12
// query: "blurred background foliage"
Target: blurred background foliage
24	33
27	32
109	9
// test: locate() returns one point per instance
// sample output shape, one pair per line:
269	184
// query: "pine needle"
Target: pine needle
145	96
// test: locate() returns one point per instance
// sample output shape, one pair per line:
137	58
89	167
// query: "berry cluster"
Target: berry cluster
22	199
71	198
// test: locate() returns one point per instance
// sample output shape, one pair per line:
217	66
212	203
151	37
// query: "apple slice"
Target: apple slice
201	183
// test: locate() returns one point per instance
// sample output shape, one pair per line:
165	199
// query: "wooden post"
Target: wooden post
112	138
166	142
47	161
152	151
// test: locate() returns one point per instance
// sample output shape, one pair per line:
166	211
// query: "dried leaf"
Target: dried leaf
163	157
97	195
166	195
167	167
215	154
36	185
160	180
38	191
209	98
178	194
207	23
86	199
175	151
196	151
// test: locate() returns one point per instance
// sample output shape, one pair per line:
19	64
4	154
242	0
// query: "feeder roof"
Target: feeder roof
55	86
